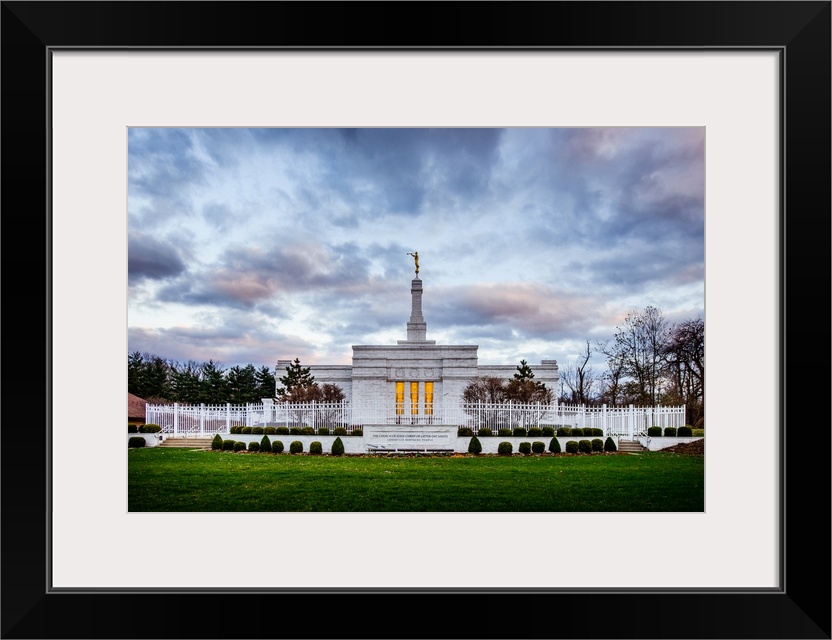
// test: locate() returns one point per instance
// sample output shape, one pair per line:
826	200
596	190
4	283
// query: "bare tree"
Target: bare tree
685	365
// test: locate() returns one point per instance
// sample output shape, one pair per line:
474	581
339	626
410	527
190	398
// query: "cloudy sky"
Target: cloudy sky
251	245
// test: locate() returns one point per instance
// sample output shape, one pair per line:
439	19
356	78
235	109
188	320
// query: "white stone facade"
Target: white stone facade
415	369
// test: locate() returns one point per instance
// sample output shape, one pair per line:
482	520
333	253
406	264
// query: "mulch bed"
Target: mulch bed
695	448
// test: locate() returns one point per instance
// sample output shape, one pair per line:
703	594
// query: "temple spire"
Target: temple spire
416	327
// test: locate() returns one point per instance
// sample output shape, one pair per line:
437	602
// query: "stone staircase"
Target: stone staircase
187	443
630	446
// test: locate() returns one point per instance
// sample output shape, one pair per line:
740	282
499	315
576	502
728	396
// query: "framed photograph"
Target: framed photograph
77	76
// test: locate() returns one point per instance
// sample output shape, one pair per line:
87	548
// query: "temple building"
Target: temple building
416	375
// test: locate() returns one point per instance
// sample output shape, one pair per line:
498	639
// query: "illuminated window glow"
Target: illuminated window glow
429	398
414	398
399	398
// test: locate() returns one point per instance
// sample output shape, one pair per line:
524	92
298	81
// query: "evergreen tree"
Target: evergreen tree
264	383
297	383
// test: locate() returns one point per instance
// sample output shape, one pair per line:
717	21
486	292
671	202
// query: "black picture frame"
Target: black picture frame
800	31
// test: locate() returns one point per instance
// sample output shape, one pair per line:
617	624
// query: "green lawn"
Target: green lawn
186	480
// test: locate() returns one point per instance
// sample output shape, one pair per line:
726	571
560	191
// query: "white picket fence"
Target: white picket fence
205	420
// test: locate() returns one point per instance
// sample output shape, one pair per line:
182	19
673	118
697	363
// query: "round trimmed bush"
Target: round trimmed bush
503	432
254	446
609	444
132	428
295	446
307	431
474	446
216	443
685	432
296	431
338	447
535	431
258	431
538	447
554	445
525	448
277	446
670	432
587	431
316	448
654	432
584	446
504	448
519	432
245	430
547	431
239	446
571	446
564	432
265	444
339	431
135	442
282	431
464	432
323	431
150	428
357	432
485	432
597	444
228	445
269	431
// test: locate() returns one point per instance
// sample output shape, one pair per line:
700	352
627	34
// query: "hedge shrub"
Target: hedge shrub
474	446
340	431
216	443
135	442
323	431
357	432
597	444
277	446
265	444
307	431
504	448
519	432
685	432
596	431
239	446
654	432
228	445
547	431
554	445
270	431
245	430
587	431
584	446
571	446
525	448
281	431
150	428
503	432
295	446
538	447
295	431
485	432
564	432
464	432
316	448
535	431
254	446
338	446
669	432
258	431
609	444
132	428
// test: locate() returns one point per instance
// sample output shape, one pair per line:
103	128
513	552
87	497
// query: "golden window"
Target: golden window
414	398
399	398
429	398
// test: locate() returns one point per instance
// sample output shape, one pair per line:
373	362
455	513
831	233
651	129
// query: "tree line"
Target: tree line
649	361
159	380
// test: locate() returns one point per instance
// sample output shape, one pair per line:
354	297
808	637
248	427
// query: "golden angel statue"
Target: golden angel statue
416	260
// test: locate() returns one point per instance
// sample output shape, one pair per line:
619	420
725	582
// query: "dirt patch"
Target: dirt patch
695	448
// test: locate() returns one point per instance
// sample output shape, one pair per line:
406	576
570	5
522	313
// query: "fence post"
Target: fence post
227	417
175	418
631	419
604	419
